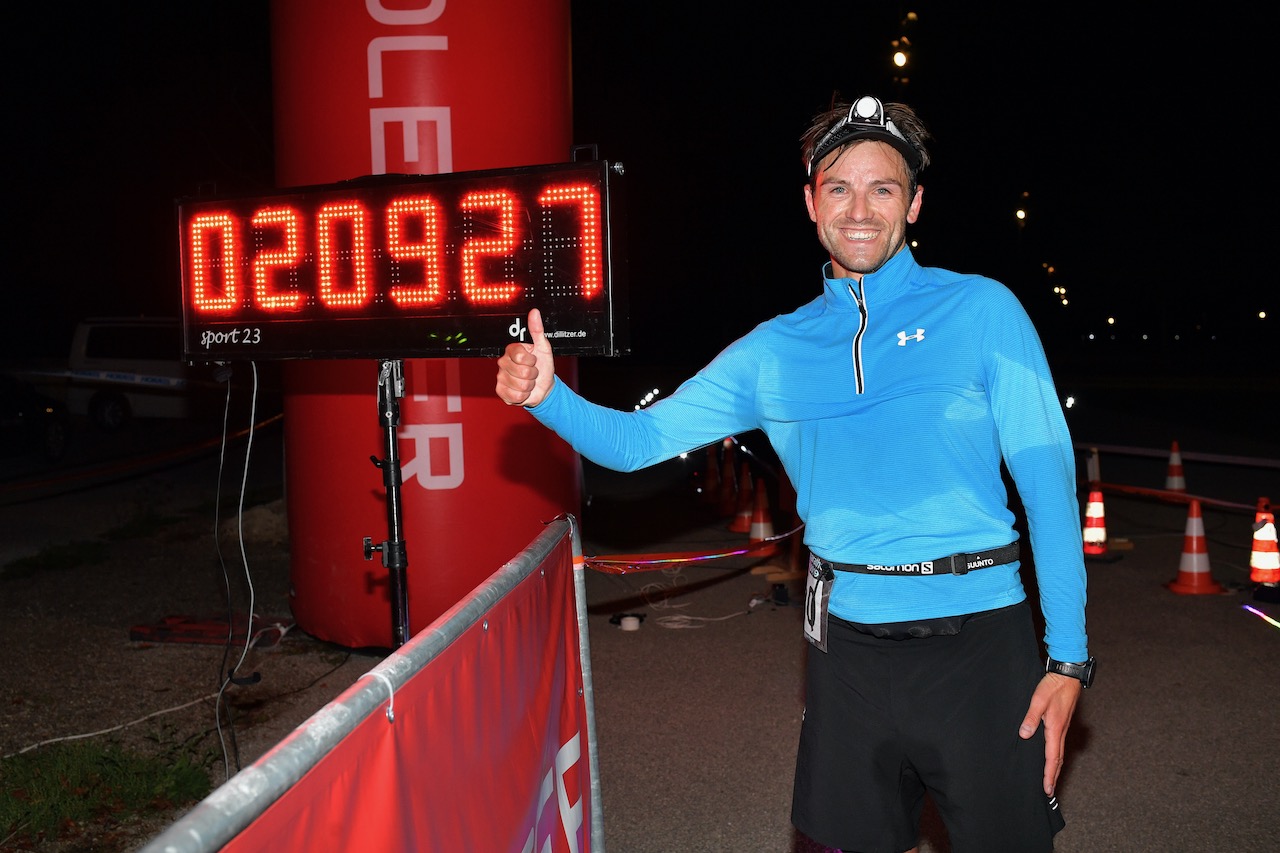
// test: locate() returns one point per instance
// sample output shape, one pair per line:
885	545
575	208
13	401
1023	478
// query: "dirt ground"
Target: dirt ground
86	657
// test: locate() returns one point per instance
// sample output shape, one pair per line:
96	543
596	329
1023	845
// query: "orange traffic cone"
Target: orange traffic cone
728	482
711	480
1093	472
761	525
1095	527
786	496
1193	570
795	564
1174	481
742	520
1264	560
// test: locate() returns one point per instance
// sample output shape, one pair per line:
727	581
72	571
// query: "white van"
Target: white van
131	367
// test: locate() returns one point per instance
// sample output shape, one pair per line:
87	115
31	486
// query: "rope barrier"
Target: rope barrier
1247	461
623	564
1169	497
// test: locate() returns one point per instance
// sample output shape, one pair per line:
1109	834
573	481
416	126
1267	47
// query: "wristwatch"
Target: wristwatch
1082	671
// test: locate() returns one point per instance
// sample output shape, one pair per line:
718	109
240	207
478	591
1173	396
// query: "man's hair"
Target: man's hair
903	118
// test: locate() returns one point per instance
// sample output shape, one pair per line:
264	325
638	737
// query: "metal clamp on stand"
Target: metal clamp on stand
394	555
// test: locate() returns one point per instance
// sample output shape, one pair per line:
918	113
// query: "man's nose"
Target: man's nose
858	209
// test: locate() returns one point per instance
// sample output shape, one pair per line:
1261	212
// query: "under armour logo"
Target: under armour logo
903	337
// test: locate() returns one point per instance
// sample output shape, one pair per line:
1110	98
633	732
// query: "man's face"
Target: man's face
860	204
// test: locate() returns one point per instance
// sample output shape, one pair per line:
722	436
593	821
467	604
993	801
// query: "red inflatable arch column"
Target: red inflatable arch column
378	87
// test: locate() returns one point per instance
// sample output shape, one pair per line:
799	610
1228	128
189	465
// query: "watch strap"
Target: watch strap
1081	671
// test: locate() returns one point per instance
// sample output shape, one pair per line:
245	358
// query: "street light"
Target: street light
901	56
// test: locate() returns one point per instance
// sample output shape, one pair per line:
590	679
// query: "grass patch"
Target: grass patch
51	791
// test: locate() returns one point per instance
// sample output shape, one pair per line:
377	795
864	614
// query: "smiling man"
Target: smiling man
892	399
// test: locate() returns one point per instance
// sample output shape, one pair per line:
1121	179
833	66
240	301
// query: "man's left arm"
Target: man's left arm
1037	449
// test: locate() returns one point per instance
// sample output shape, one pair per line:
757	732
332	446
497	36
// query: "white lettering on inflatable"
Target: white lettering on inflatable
411	117
419	377
384	44
404	17
420	465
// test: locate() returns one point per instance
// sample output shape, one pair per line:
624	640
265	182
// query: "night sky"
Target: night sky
1138	139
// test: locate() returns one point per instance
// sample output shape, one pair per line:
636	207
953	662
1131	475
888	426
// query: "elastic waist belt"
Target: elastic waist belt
956	564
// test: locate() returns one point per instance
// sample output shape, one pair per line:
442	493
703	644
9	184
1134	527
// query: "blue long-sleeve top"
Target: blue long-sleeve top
891	404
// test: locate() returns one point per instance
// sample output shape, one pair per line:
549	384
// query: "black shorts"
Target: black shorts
888	719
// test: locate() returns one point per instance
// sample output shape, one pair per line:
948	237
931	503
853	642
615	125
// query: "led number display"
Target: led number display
406	266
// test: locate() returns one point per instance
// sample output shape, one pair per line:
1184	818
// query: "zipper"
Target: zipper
858	382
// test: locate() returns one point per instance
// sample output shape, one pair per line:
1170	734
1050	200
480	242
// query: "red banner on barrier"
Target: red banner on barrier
487	748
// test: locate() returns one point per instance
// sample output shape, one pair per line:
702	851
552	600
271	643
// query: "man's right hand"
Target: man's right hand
526	372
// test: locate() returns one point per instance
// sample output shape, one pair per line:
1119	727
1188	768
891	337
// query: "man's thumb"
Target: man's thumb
535	326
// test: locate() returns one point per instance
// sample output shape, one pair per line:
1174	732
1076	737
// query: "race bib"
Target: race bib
817	592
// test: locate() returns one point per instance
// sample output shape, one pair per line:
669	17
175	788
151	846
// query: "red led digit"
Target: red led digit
270	261
588	200
212	239
331	221
473	285
424	215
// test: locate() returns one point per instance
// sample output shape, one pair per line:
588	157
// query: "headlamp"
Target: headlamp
866	120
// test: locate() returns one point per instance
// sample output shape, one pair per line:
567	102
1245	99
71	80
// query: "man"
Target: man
891	400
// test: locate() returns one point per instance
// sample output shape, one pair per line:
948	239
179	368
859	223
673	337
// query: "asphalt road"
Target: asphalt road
1172	750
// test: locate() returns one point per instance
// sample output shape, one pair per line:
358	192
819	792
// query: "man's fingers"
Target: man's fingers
526	370
1052	765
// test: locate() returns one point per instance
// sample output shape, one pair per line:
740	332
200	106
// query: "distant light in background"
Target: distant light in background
1022	212
1058	290
1070	402
647	399
1262	315
901	54
1111	321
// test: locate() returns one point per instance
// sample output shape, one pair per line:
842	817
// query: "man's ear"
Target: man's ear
808	202
913	212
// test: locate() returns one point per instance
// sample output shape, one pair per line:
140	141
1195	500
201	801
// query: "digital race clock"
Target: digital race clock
398	266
